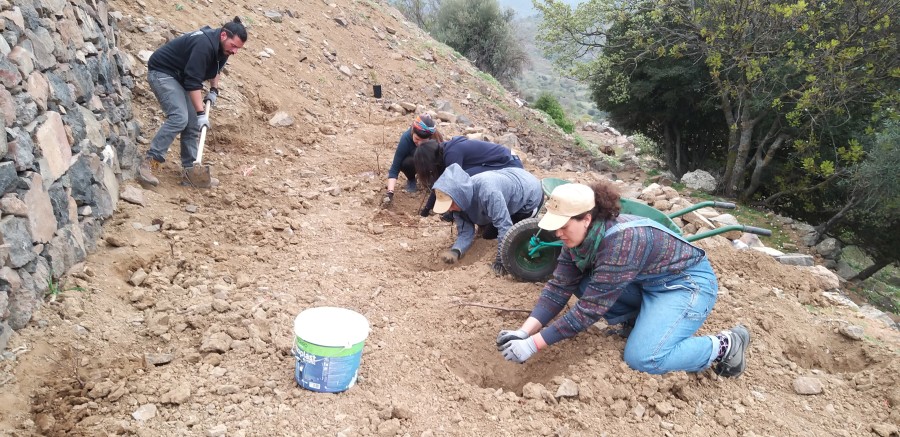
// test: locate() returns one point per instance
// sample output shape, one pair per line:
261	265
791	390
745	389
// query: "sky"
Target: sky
524	8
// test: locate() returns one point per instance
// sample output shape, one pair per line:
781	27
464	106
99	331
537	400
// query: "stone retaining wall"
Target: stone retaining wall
68	138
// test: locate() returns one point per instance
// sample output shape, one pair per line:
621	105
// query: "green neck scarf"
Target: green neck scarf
584	253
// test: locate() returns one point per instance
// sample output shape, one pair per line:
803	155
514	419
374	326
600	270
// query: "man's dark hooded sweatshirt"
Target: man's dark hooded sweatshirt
192	58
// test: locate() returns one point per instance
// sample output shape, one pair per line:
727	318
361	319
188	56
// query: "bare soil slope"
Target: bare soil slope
296	224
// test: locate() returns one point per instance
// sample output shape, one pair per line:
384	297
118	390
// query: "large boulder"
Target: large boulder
699	180
829	248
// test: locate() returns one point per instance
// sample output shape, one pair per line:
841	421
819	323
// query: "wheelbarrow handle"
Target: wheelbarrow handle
758	231
725	205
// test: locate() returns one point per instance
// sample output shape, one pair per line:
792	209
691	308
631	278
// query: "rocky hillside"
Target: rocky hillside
184	324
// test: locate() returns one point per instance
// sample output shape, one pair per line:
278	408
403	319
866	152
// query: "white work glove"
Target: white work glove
507	335
211	96
518	351
203	120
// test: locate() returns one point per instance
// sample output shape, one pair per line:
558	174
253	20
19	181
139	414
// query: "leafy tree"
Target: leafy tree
484	33
663	101
872	215
421	12
791	79
551	106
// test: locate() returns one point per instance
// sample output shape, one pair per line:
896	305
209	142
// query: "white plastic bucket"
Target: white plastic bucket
328	343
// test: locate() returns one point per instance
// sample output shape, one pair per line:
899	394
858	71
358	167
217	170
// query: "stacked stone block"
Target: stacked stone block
67	137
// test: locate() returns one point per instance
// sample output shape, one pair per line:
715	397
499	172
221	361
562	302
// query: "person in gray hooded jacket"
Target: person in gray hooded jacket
498	197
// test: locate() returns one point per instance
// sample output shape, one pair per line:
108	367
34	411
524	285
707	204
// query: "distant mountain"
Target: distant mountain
540	77
524	8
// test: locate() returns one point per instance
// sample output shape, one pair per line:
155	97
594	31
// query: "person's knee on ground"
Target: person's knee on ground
643	359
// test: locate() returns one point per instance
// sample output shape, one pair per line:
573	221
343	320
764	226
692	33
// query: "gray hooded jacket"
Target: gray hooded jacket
488	197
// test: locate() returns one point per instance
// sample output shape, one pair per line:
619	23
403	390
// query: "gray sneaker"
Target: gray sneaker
145	172
734	361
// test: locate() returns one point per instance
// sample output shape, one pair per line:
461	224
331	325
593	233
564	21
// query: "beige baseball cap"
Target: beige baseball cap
565	202
443	203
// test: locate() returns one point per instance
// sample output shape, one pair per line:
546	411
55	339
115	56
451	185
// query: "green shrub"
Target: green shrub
646	145
551	106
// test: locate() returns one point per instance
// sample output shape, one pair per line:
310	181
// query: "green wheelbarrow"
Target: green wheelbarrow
530	253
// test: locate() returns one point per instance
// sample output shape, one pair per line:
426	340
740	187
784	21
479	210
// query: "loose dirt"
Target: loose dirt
296	224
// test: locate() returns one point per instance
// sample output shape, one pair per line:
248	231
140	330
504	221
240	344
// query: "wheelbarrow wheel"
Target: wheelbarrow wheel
517	244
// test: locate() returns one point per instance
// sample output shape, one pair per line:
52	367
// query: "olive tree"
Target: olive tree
787	76
482	32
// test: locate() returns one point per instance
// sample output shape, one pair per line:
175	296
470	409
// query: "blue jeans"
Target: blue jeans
181	118
667	311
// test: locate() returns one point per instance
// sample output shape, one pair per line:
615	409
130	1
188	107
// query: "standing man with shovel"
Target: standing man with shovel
177	71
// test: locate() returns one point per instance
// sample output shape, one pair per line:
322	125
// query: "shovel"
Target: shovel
199	175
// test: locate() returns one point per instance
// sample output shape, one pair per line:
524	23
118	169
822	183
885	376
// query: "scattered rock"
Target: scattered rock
885	429
158	359
796	259
178	395
853	332
281	119
138	277
568	389
144	55
219	342
839	299
533	390
664	408
807	385
144	412
117	241
217	431
274	16
132	194
101	390
724	416
389	428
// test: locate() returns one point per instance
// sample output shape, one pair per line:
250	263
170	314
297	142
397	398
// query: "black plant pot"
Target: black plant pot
376	91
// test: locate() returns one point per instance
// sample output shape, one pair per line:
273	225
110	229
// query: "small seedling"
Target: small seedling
54	289
179	7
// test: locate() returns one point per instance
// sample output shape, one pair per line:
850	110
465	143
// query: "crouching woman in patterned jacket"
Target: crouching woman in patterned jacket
632	271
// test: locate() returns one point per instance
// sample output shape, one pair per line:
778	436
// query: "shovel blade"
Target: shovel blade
198	176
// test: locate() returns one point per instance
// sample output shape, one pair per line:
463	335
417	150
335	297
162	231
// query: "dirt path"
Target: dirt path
296	225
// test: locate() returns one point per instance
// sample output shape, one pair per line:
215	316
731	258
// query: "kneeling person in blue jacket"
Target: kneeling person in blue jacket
497	197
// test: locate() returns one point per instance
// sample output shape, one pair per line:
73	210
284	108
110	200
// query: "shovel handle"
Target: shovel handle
202	139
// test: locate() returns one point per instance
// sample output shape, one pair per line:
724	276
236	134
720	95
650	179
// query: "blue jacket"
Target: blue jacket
476	156
488	197
191	58
405	148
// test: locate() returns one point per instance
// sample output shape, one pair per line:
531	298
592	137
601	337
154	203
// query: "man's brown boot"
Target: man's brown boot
145	173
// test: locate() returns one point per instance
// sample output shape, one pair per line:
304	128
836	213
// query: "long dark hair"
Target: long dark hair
606	202
429	162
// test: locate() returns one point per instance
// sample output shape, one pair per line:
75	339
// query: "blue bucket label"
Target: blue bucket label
326	374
